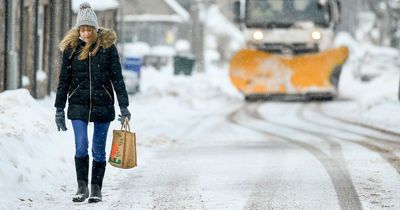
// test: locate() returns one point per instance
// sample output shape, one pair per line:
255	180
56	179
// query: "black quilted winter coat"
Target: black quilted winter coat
89	84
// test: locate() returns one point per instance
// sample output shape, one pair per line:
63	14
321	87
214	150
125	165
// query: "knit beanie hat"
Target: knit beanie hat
86	16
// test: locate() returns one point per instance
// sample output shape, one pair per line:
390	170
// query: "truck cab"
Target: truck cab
288	26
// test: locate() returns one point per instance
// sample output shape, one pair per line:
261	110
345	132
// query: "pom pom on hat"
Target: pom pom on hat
86	16
84	5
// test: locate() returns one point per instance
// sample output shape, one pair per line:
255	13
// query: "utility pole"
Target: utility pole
197	34
12	77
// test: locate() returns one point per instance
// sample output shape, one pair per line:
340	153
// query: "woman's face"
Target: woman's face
86	32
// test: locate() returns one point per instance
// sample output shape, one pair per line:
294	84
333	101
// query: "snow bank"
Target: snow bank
182	45
33	158
194	89
367	68
370	79
163	50
136	49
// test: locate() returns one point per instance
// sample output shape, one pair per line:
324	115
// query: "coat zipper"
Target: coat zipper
73	92
90	86
107	92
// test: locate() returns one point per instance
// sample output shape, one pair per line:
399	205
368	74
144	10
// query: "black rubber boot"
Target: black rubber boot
98	170
82	171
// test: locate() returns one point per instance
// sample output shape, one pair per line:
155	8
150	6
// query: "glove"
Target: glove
60	119
124	113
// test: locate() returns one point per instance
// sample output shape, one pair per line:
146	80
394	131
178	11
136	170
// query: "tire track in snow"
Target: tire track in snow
369	127
173	189
168	187
387	154
341	180
331	164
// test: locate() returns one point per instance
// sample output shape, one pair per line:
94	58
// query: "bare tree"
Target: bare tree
388	16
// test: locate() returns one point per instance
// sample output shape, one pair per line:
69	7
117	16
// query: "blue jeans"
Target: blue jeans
99	139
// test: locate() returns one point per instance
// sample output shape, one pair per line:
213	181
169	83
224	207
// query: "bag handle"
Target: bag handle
126	125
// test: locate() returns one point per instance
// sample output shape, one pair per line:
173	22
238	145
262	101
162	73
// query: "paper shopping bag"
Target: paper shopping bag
123	148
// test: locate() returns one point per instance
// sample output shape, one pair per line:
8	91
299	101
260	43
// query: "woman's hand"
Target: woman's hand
60	119
124	113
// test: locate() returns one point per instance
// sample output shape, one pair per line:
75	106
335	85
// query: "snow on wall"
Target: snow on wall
96	5
153	18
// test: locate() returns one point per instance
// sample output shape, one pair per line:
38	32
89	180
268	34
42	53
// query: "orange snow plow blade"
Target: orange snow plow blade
260	73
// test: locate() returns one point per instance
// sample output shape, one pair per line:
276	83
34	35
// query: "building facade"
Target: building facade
31	31
157	22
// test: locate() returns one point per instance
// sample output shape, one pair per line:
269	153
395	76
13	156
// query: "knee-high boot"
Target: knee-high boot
98	170
82	171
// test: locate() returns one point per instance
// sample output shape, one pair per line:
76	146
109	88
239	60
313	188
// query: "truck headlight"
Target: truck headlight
258	35
316	35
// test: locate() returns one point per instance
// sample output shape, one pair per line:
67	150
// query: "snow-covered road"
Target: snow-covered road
339	154
276	156
200	146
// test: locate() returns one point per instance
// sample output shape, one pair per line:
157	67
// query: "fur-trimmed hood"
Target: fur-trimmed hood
107	37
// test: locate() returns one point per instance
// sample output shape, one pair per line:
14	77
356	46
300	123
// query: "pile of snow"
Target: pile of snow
33	155
182	45
370	79
367	68
136	49
163	50
194	89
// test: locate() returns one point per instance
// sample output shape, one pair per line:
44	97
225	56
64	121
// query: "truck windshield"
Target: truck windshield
285	13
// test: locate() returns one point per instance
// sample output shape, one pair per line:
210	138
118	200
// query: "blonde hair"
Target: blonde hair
70	41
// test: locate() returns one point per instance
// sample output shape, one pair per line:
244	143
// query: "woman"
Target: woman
90	71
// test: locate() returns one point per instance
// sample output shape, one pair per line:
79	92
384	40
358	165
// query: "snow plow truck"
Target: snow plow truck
289	52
